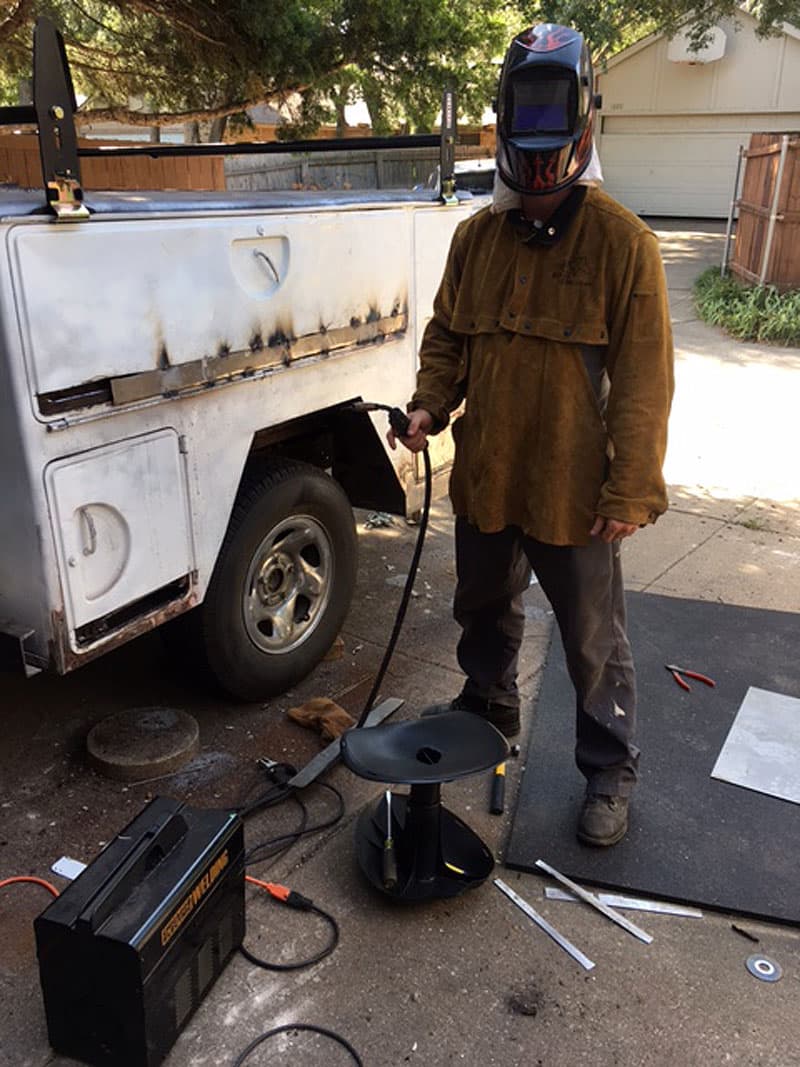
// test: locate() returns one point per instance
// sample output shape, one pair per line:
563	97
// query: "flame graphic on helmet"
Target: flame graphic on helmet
547	37
545	171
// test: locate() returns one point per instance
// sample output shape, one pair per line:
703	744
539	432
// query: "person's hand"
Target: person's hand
420	425
609	530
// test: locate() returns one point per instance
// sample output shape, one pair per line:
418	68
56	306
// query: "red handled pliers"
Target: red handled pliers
676	673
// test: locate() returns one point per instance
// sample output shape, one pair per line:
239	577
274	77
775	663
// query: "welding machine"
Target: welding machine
130	948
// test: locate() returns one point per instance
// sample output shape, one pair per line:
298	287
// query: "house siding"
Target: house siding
670	132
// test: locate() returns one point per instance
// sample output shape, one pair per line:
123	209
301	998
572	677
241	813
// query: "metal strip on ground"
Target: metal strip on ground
541	922
590	898
617	900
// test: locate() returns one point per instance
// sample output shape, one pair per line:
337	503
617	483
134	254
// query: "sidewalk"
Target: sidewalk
733	529
471	980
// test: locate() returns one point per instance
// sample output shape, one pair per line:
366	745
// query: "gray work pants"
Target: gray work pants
584	587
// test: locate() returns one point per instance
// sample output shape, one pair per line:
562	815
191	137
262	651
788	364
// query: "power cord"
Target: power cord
280	773
293	900
284	841
29	878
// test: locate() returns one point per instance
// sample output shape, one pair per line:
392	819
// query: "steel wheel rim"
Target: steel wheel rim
288	584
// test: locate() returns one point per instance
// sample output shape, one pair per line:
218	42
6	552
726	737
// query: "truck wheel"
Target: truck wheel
283	581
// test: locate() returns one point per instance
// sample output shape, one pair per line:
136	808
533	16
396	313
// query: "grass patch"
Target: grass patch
753	524
751	313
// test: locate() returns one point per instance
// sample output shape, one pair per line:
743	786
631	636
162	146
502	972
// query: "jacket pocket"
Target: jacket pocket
565	330
578	328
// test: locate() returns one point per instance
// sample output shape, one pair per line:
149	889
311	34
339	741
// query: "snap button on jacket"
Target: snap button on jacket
515	330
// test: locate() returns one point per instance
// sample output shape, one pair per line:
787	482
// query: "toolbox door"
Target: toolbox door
120	520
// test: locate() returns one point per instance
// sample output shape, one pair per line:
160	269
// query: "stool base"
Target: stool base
437	854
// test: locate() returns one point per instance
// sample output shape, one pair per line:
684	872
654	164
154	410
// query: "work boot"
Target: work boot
603	820
503	718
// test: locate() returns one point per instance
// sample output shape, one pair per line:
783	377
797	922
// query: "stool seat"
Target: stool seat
440	748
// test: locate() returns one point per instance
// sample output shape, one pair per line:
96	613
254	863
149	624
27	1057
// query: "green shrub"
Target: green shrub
751	313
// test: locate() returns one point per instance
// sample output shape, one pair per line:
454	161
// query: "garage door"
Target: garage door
655	172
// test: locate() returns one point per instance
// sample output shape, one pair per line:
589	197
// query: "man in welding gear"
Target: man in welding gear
552	323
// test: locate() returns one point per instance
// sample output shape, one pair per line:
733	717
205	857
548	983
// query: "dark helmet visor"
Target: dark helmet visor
543	102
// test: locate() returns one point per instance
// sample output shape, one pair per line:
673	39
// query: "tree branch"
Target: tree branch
160	118
167	118
173	18
121	72
76	48
18	16
97	22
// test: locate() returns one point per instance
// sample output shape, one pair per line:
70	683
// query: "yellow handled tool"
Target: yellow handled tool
497	802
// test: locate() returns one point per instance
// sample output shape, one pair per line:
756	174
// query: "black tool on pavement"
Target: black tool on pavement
677	673
130	948
498	797
497	800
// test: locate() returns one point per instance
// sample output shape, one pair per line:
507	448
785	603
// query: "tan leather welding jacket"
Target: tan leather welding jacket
563	351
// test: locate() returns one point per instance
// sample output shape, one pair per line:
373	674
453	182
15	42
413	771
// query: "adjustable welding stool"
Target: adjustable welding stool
437	855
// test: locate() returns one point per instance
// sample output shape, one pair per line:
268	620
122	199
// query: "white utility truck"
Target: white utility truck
178	437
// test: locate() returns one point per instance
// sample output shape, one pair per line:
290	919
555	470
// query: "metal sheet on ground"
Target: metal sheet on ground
762	750
692	838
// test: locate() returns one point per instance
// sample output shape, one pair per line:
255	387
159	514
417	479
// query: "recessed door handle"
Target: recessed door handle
90	548
263	257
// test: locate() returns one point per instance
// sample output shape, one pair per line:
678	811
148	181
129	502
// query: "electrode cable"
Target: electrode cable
300	1027
399	423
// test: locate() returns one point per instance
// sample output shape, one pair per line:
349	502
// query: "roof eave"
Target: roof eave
651	38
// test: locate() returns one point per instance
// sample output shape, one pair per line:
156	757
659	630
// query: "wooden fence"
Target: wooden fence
480	136
20	165
767	249
390	168
381	169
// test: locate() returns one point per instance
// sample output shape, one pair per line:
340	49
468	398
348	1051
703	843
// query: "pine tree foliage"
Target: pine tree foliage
192	60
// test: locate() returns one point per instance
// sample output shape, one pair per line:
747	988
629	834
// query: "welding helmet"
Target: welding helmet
545	110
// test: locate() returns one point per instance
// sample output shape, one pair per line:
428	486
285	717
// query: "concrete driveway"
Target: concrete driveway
469	981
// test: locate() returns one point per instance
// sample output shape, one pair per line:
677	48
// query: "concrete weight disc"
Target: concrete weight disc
141	743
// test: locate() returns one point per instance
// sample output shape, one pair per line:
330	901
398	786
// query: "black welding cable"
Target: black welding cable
401	611
274	846
291	1027
276	795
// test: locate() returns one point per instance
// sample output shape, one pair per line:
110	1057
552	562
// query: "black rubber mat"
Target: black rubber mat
692	838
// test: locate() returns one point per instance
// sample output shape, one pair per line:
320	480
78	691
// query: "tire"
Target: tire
283	581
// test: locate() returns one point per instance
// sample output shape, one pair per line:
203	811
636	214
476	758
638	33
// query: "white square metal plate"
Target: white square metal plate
762	749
